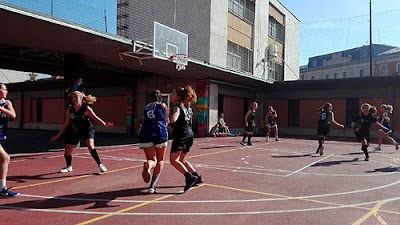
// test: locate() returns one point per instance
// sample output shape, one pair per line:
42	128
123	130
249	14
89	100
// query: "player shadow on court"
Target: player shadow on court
213	147
384	170
25	178
99	200
338	162
291	156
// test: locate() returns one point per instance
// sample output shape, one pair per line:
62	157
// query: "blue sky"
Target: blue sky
329	26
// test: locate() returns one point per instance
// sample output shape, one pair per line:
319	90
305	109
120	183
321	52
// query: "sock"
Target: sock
187	175
154	180
196	174
95	156
3	183
364	148
321	142
68	159
249	138
245	136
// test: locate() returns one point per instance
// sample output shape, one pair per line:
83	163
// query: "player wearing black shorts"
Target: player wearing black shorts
182	135
6	110
249	120
324	125
78	125
270	122
361	124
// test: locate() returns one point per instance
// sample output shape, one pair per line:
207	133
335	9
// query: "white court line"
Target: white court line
197	214
307	166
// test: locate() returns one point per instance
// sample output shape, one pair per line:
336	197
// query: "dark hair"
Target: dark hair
155	96
324	108
186	94
372	110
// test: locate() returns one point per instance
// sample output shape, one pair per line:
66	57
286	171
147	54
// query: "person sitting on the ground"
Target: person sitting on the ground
221	121
214	132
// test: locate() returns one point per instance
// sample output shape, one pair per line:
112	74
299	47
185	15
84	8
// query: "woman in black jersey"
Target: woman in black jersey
361	124
182	135
78	124
326	117
249	123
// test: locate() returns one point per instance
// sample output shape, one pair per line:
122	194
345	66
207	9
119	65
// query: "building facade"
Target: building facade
260	40
353	63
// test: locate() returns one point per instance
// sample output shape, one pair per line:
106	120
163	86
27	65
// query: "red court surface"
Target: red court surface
269	183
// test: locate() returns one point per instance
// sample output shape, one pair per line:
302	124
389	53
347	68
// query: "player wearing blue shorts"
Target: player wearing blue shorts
361	124
384	119
153	138
6	110
78	125
326	117
182	135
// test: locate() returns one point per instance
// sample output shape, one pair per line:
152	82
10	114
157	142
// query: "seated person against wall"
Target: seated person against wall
214	132
222	123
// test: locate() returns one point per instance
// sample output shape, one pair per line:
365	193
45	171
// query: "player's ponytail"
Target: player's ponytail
86	99
388	108
186	94
155	96
324	108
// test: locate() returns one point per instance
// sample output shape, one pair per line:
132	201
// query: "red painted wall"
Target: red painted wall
309	117
281	108
111	109
233	111
53	110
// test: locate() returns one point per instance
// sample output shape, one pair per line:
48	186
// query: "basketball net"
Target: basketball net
180	60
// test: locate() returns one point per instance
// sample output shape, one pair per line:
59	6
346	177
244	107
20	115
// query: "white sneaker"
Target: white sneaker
66	169
152	190
276	139
102	168
396	146
378	148
267	139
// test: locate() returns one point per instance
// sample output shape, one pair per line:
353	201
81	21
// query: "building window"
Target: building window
293	112
335	76
243	9
276	30
315	63
383	70
327	76
239	57
344	74
364	54
275	71
398	68
312	77
362	73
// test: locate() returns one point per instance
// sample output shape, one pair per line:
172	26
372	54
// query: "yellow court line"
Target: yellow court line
133	207
73	178
374	211
296	198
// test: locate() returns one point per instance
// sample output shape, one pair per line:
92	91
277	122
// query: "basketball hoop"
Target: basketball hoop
181	61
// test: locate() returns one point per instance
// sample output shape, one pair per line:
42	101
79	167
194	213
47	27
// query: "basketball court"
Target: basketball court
269	183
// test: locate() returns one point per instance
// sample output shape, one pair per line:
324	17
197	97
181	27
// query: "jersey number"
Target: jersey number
323	116
150	114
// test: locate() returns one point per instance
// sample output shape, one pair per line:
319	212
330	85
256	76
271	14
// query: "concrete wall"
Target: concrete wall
260	41
219	32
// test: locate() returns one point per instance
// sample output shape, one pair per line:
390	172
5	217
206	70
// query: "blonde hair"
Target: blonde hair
389	108
364	105
88	99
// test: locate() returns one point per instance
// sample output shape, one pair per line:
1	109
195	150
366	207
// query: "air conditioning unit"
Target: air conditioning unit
273	51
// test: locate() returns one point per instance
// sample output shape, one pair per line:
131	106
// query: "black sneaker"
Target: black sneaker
199	181
321	151
367	158
7	194
249	143
190	182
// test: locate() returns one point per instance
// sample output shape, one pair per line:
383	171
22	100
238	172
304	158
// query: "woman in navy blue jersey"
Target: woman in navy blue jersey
384	119
6	110
182	135
78	124
361	124
153	138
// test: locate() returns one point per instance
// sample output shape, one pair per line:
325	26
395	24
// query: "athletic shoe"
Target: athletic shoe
367	158
102	168
199	180
7	194
267	139
249	143
146	172
378	148
276	139
152	190
397	145
242	143
321	151
66	169
317	151
190	182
